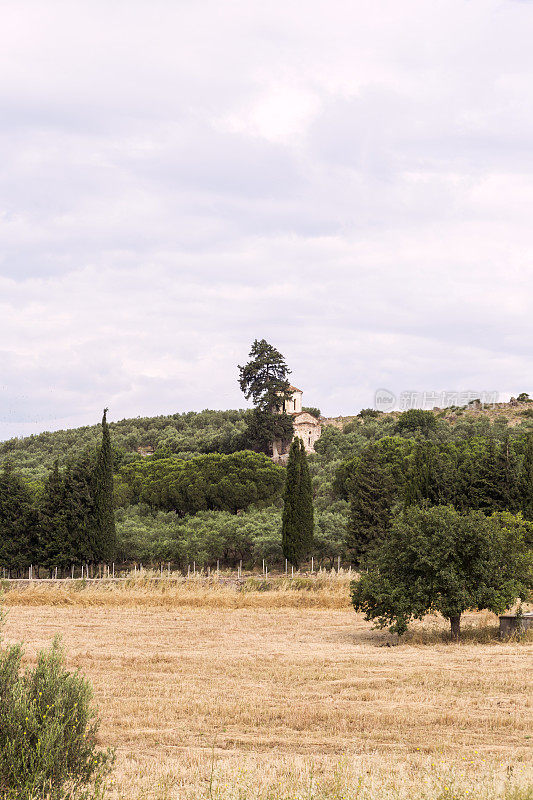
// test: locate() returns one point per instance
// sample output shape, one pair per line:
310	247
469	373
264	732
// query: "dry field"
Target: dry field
264	698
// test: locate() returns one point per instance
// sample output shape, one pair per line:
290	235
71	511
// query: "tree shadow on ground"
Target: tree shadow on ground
427	634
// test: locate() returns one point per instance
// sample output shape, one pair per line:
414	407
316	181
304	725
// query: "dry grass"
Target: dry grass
269	702
325	590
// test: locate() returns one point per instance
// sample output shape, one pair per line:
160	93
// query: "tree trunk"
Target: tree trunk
455	624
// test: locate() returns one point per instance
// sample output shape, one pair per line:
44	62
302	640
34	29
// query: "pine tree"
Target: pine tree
264	379
298	516
371	497
105	533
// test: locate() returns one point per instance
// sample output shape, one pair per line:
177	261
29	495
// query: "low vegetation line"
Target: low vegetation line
328	592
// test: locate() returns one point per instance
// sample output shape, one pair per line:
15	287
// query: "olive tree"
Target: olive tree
435	559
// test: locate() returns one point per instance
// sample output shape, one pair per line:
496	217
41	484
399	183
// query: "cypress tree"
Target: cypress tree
105	533
526	480
80	507
505	489
298	517
479	493
55	540
19	543
371	498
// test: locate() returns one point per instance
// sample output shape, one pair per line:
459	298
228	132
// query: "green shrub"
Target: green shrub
315	412
415	419
48	731
350	427
369	413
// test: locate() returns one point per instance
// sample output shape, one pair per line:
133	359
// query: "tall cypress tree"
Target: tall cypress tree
526	480
55	533
505	488
80	513
105	533
19	543
371	497
298	515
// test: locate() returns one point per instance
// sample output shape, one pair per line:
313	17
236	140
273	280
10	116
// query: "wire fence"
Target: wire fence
166	571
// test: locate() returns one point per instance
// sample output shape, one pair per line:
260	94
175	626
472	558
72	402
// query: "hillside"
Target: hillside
214	431
182	434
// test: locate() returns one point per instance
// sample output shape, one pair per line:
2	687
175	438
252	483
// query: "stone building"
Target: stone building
306	426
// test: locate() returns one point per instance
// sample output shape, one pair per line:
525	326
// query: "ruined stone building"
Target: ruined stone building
306	426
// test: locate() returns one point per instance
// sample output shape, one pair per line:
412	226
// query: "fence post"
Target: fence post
338	563
292	570
312	565
286	566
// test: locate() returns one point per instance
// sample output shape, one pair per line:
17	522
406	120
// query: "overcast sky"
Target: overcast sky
350	180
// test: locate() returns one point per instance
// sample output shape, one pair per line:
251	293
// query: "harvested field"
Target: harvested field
268	702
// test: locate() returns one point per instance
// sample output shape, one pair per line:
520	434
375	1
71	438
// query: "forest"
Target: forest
199	496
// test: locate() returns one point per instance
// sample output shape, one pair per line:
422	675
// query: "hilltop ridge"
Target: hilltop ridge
514	411
189	433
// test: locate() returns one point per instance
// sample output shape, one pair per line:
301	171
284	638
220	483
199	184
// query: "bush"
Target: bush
350	427
48	731
315	412
369	413
416	420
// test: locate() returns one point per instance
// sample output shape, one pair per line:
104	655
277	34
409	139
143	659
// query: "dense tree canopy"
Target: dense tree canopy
209	482
472	464
435	559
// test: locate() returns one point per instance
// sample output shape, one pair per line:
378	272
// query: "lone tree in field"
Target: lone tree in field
105	533
264	380
297	519
437	560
